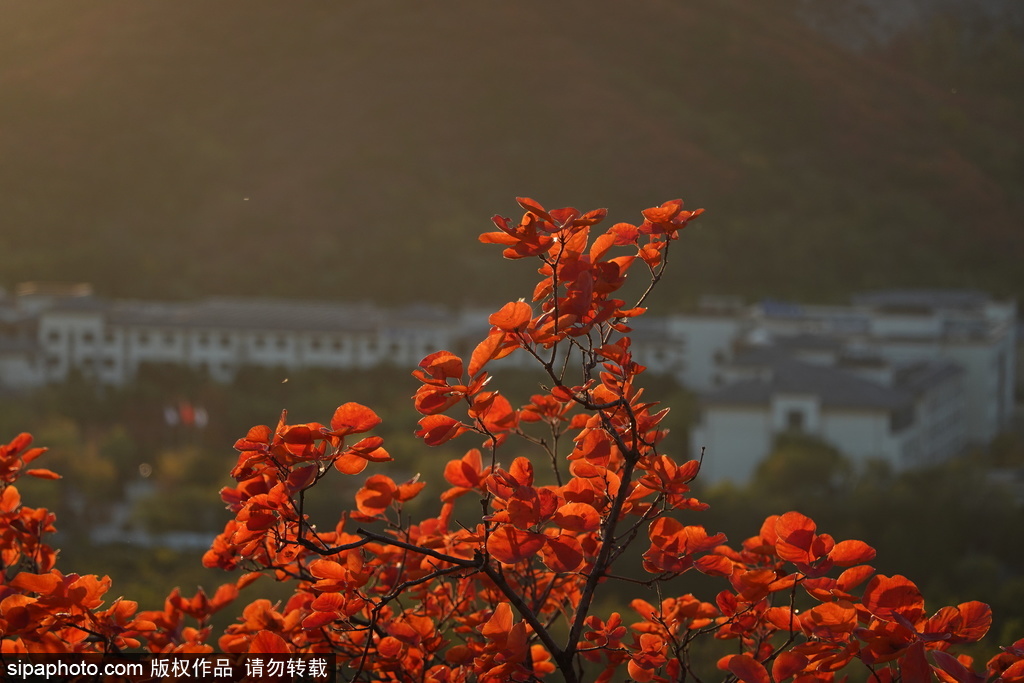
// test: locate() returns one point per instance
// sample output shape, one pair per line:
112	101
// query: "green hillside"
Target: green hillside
355	149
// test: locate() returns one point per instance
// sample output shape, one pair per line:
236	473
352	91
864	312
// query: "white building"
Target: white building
907	415
909	377
46	338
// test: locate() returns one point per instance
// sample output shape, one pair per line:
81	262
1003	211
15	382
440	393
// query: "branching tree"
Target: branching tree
501	585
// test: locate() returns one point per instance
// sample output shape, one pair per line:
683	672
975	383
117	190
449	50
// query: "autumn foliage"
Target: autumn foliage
502	584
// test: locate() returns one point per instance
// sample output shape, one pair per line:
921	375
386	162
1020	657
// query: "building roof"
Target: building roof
809	342
922	375
834	387
258	314
913	299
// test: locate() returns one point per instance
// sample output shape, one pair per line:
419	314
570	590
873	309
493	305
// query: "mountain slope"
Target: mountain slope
355	150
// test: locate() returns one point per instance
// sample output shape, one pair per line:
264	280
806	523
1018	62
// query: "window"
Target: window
53	336
225	340
88	337
900	419
282	341
143	338
795	420
168	338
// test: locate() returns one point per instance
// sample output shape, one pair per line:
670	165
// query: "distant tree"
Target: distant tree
803	467
501	583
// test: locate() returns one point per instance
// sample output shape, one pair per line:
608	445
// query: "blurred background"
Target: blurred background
353	151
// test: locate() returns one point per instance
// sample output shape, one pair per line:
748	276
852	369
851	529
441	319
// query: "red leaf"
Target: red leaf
562	553
350	463
787	664
954	668
485	351
318	619
795	537
977	619
522	471
533	207
664	213
268	642
44	584
577	517
510	545
466	472
748	669
887	595
847	553
441	366
500	623
301	478
437	429
353	418
512	316
376	495
853	577
914	667
42	474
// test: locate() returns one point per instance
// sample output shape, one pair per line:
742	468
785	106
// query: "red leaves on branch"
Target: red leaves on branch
505	587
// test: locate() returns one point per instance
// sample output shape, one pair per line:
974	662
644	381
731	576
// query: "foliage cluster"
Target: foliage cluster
503	582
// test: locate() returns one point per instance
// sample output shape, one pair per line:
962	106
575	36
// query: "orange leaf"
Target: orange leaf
441	366
500	623
885	596
787	664
748	669
350	463
512	316
485	351
376	495
465	472
437	429
577	517
522	471
301	478
846	553
977	619
853	577
562	553
268	642
353	418
390	647
533	207
43	474
43	584
510	545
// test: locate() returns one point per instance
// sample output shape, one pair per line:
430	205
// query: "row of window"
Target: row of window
260	341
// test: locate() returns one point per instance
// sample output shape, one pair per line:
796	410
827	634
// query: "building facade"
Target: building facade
910	377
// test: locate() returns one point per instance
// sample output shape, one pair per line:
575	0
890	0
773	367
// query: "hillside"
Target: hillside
355	150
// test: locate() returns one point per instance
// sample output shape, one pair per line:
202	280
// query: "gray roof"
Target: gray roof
964	299
260	314
834	387
920	376
809	342
253	314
